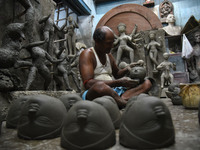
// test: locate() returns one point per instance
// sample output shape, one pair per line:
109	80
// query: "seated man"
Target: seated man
100	74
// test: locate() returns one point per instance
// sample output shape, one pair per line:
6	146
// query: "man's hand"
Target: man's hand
127	82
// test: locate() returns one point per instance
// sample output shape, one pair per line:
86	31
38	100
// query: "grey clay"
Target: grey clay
88	126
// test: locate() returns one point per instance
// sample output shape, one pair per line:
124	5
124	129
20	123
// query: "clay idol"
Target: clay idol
41	118
88	126
15	111
146	124
111	106
70	99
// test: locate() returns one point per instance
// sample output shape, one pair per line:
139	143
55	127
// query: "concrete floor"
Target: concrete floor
185	122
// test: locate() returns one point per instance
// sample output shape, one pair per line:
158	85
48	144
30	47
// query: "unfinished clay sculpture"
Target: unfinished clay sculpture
123	41
173	93
39	56
146	124
138	73
41	117
14	112
166	77
152	48
70	99
88	126
171	29
111	106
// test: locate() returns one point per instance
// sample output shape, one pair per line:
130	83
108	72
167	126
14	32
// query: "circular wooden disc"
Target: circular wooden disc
130	14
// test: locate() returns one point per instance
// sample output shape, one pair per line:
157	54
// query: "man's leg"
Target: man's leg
142	88
101	89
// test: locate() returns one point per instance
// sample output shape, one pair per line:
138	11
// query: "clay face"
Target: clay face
69	100
166	56
197	37
153	128
138	73
121	27
88	126
111	106
170	18
15	111
41	118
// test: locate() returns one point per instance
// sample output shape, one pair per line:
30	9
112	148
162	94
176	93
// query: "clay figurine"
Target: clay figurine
173	93
41	117
61	69
70	99
88	126
39	56
152	47
194	61
146	124
166	77
111	106
171	29
71	36
123	41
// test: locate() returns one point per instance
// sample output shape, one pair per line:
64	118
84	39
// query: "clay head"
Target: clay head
170	18
146	123
197	36
166	56
70	99
138	73
70	18
15	30
88	126
121	27
15	111
123	65
111	106
41	117
152	35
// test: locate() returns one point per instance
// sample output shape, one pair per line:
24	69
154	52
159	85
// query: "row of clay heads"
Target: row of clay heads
88	125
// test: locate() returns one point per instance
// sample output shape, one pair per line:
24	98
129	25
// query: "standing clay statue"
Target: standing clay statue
194	61
146	124
71	36
61	68
39	56
152	47
29	18
72	73
87	126
166	77
41	117
123	41
171	29
48	32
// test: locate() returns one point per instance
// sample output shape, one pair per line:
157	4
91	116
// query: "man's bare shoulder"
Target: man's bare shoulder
87	54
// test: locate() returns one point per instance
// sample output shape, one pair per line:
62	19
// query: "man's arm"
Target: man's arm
117	73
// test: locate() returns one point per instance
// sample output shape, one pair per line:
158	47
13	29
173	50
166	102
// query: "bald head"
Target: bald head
100	33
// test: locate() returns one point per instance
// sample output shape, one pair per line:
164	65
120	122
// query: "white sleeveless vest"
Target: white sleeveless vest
102	72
